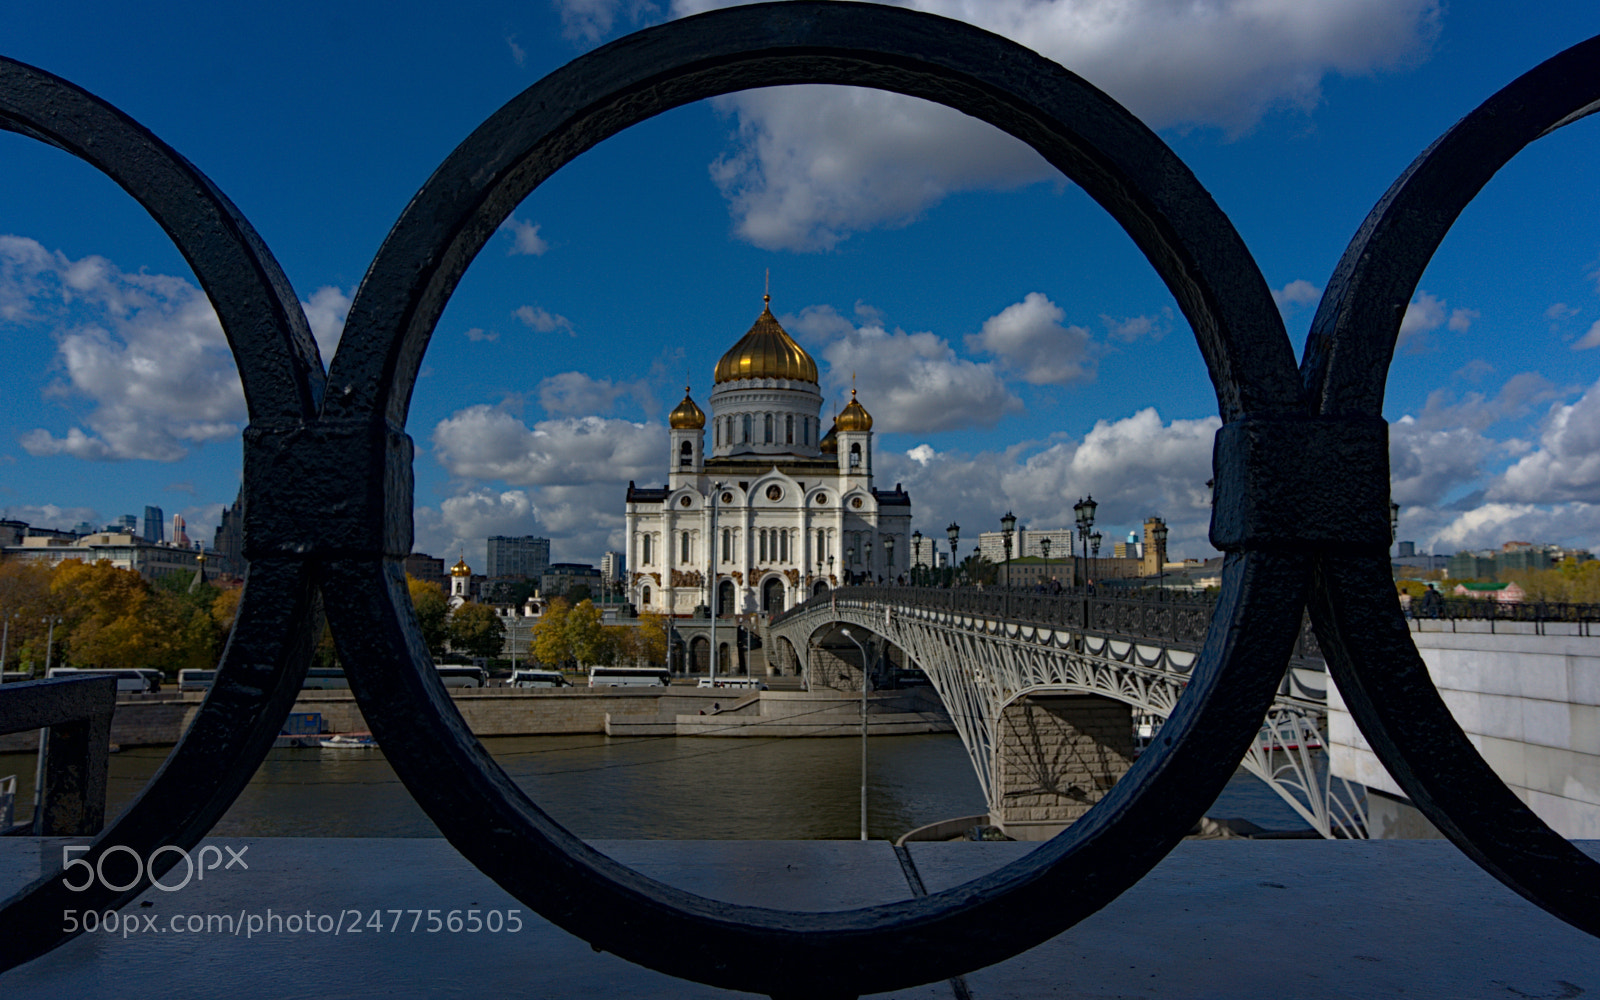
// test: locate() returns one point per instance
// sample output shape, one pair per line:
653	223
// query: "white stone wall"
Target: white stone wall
1530	704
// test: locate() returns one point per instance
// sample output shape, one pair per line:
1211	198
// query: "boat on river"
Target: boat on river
349	741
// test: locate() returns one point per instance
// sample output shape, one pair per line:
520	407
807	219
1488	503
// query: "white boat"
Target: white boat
349	741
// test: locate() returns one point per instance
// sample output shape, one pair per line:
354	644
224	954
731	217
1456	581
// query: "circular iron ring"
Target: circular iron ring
269	648
1368	646
1119	162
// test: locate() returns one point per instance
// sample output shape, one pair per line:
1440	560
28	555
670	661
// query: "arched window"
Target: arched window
784	542
805	430
686	454
646	560
746	438
717	429
684	537
855	455
644	595
768	422
763	546
727	544
822	547
788	429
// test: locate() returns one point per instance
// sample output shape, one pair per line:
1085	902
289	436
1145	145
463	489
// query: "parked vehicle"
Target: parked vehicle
128	681
629	677
462	677
744	683
196	680
538	679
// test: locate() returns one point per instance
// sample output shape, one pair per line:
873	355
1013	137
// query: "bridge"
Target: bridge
1044	690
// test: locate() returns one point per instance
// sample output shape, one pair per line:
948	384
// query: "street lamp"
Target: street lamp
866	556
1084	509
1394	521
50	642
1044	546
849	560
1008	524
830	574
1094	541
916	565
711	578
954	534
1160	535
863	651
888	556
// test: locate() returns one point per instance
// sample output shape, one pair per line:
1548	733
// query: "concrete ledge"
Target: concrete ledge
1313	920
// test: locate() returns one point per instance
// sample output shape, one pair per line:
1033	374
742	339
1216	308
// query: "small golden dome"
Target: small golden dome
461	568
687	416
767	351
854	416
829	445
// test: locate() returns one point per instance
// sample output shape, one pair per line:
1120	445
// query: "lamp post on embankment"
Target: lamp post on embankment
863	652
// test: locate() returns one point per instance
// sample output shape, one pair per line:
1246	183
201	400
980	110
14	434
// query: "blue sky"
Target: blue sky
1014	349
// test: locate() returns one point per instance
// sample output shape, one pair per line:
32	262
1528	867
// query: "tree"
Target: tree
585	636
578	593
476	630
432	610
550	642
651	639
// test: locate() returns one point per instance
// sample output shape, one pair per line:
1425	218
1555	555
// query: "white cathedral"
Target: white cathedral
783	509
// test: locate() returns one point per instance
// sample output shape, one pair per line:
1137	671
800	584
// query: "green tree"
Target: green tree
550	643
585	636
578	593
650	639
476	630
432	610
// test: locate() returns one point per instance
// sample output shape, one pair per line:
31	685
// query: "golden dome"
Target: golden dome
687	416
461	568
767	351
829	445
854	416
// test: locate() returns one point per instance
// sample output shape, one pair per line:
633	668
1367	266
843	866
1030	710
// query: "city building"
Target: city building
228	540
612	565
780	508
125	523
155	525
1025	542
560	578
124	550
427	568
524	557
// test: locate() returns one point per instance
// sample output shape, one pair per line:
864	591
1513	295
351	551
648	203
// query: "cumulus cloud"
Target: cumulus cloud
478	335
51	516
1461	320
1029	337
1425	314
518	54
525	238
571	394
1566	464
1298	292
1131	328
485	443
540	319
908	381
145	352
1134	467
1559	313
813	164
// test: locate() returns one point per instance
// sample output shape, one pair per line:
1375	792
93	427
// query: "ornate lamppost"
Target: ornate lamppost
849	560
954	534
1094	543
866	557
888	556
1008	524
916	565
1084	510
830	575
1160	535
1044	546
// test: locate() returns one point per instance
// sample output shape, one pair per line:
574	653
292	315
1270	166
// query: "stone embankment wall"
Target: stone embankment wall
1529	702
160	719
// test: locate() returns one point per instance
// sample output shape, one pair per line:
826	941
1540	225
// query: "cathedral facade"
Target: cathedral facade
780	509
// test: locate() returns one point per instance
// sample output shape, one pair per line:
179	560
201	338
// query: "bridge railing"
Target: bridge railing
1455	609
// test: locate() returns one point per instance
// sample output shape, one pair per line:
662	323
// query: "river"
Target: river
603	787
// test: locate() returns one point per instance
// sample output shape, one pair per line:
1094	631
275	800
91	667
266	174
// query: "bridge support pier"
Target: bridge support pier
1055	757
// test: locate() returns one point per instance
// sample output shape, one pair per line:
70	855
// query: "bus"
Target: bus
629	677
128	681
196	680
455	676
741	683
325	679
538	679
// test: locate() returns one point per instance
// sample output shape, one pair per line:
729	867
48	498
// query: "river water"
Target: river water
603	787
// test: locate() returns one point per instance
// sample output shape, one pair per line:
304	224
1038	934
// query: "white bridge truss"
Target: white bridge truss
981	662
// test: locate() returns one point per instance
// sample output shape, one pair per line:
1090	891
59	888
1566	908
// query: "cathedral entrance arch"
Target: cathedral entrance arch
772	596
700	654
725	605
820	587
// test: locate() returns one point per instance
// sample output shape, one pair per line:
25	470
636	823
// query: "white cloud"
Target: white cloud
540	319
485	443
1588	340
1566	464
1029	338
1134	467
572	394
1559	313
1131	328
908	381
813	164
1298	292
326	313
518	54
525	238
51	516
479	335
1461	320
1424	315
